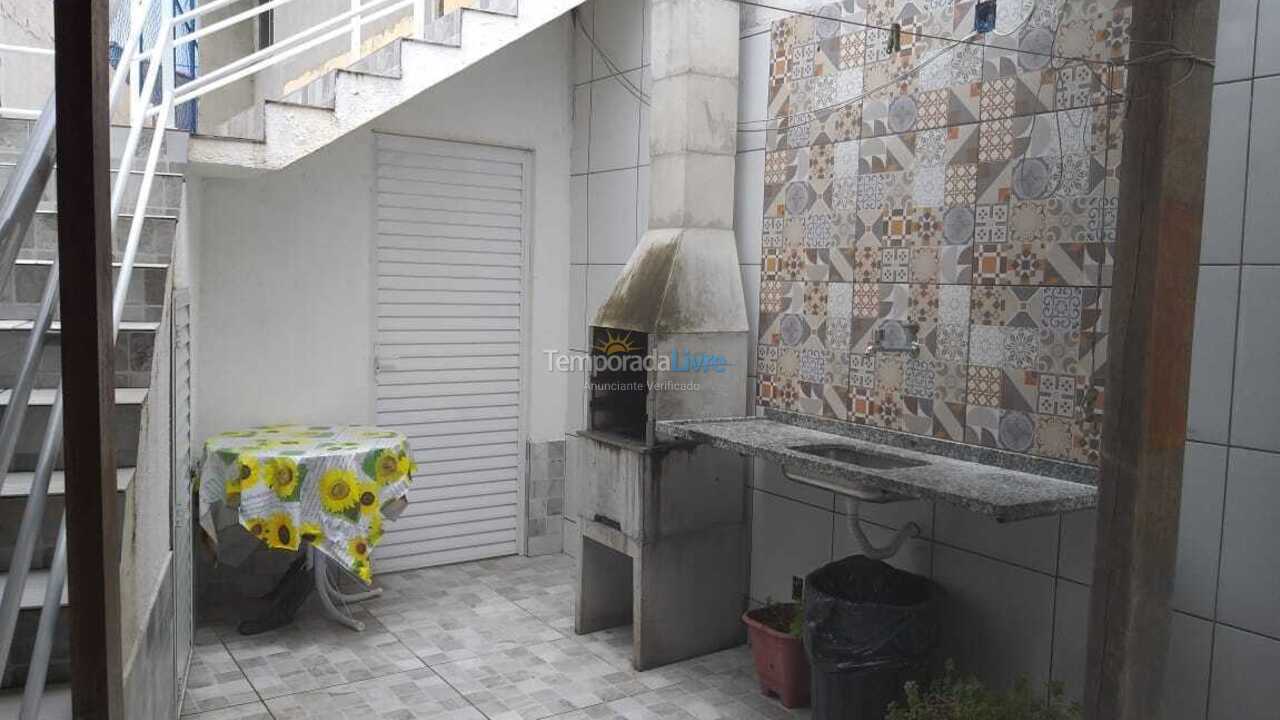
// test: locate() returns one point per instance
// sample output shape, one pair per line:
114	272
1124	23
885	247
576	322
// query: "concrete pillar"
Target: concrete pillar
693	123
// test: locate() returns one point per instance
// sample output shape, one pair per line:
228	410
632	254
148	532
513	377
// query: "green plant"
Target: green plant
783	617
956	697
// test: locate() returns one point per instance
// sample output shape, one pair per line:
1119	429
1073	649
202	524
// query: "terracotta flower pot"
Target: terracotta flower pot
781	665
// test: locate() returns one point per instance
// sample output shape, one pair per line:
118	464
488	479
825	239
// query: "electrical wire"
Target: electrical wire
849	101
616	73
967	40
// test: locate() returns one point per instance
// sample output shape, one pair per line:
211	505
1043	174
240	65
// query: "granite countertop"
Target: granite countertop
1003	493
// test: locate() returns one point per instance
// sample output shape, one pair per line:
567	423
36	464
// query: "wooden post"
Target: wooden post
88	353
1153	307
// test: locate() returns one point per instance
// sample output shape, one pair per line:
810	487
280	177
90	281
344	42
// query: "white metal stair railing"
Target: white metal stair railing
17	208
26	187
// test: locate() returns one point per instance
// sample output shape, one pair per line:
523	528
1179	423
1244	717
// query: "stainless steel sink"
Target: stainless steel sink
861	458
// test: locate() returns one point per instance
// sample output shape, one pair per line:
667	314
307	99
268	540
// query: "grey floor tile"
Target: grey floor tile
539	681
719	698
439	636
215	681
484	624
614	647
310	656
249	711
446	588
403	696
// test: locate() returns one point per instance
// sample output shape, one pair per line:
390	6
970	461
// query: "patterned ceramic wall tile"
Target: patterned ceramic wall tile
940	219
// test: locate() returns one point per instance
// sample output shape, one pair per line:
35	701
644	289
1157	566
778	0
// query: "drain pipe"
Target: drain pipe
904	533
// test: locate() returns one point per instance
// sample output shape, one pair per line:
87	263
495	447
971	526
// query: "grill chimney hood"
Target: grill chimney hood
684	275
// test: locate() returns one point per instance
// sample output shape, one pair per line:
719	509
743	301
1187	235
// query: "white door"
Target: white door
452	231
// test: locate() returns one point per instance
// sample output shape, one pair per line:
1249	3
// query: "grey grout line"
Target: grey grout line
1235	350
450	685
258	694
1228	445
1053	604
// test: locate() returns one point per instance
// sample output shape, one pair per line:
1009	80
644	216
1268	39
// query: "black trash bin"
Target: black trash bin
868	629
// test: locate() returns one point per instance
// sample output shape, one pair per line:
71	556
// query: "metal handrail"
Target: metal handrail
18	204
299	42
31	184
22	194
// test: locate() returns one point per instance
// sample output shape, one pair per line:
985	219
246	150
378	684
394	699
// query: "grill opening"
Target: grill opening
619	382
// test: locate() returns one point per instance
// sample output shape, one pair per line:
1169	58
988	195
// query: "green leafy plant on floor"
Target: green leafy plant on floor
783	617
957	697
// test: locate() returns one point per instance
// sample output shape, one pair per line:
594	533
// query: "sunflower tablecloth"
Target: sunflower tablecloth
326	485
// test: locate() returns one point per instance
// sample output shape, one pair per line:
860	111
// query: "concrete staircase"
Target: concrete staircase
282	131
19	300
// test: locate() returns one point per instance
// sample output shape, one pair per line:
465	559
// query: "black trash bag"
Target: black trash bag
869	628
860	613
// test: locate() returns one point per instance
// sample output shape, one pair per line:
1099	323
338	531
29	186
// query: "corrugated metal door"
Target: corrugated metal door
452	231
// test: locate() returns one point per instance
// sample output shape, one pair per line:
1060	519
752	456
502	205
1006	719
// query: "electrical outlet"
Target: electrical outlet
797	588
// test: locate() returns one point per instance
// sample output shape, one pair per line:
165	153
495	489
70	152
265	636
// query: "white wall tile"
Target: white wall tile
768	477
642	201
753	88
578	212
581	129
1255	413
1075	557
572	538
1267	60
615	124
751	292
891	515
1032	543
1237	26
582	50
1213	354
1262	211
1204	475
646	34
611	217
578	307
600	280
788	539
1186	671
1249	591
642	141
1224	185
1070	637
1244	683
576	414
915	555
619	29
748	205
998	618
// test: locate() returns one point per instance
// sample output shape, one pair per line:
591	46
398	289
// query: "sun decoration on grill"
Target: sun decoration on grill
615	344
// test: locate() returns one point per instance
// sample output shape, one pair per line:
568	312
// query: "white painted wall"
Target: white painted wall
25	80
282	265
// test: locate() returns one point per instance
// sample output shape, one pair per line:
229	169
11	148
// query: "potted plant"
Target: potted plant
781	666
953	697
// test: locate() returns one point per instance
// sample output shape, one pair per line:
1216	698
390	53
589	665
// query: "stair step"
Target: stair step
43	397
56	704
510	8
56	326
33	591
18	484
